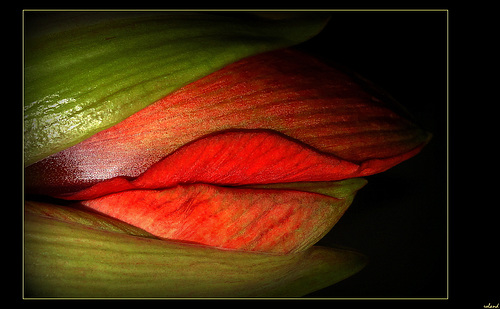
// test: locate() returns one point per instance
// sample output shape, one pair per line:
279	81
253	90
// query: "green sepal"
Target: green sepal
63	259
86	72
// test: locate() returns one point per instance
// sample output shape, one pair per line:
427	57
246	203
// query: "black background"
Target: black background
400	218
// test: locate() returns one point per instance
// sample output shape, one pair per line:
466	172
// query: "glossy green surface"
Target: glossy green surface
87	72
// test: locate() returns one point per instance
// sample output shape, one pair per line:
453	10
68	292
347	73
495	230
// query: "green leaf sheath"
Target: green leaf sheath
64	259
84	73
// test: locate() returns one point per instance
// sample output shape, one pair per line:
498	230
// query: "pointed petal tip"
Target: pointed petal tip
327	266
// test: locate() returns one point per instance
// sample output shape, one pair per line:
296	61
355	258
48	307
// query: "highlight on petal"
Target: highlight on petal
277	219
85	72
68	259
286	92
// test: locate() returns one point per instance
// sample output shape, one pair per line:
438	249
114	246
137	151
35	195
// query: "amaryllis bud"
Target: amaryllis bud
219	188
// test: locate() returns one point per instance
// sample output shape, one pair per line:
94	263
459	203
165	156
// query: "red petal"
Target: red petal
266	220
240	158
284	91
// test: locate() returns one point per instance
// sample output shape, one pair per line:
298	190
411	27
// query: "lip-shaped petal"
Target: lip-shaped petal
63	259
86	72
272	219
283	91
234	159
